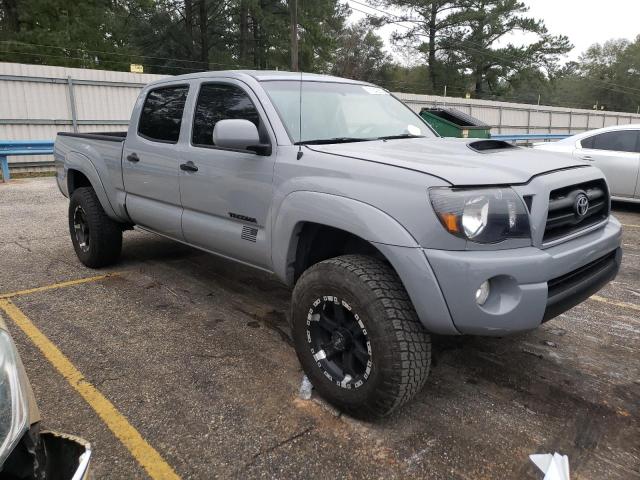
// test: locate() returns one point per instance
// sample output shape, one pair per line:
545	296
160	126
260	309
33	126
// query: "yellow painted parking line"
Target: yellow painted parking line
145	454
631	306
630	225
53	286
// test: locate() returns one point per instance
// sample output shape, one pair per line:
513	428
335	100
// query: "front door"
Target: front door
226	201
150	163
616	154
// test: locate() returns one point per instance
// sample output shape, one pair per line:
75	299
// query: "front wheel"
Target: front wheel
96	238
358	337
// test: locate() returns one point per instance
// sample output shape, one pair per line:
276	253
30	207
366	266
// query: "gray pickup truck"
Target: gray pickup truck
386	232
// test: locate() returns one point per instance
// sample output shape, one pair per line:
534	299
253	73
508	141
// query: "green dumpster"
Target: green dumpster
449	122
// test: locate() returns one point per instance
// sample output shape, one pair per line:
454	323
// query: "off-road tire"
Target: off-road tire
104	234
400	346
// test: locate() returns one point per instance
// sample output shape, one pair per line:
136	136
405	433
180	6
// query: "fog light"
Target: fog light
483	293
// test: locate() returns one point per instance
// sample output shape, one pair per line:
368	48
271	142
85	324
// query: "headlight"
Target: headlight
483	215
14	404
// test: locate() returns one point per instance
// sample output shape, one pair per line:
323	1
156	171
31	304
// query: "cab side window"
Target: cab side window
161	114
217	101
617	141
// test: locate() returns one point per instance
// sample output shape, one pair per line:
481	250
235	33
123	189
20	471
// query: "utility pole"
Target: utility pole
293	8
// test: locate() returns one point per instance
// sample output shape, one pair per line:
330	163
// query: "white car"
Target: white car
27	451
614	150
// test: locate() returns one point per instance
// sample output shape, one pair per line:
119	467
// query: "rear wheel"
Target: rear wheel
358	337
96	238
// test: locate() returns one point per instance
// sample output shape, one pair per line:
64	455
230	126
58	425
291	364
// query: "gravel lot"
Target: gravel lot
194	351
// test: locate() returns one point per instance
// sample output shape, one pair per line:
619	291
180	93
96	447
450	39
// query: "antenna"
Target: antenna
299	155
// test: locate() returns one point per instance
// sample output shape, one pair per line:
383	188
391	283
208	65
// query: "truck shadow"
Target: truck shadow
532	388
511	362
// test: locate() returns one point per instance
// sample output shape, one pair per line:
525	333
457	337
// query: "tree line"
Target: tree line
463	46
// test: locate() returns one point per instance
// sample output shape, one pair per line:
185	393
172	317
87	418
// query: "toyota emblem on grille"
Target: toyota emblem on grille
582	205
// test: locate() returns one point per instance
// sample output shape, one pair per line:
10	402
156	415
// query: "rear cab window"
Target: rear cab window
161	115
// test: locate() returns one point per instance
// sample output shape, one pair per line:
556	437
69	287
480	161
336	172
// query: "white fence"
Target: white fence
38	101
516	118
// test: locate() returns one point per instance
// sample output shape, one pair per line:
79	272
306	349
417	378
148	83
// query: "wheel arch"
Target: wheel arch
77	179
315	242
311	220
81	172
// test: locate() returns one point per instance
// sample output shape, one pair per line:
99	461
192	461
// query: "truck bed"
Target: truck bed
94	158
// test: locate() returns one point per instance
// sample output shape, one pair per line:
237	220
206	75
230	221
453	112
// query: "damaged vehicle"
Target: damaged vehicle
385	232
26	451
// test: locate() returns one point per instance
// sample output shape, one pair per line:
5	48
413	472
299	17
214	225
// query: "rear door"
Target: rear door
616	154
226	201
150	164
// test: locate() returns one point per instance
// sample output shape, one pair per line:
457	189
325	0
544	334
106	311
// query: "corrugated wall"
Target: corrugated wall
517	118
36	102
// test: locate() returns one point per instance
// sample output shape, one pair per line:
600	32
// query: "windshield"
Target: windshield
342	112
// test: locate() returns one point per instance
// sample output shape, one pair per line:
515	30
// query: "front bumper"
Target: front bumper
528	285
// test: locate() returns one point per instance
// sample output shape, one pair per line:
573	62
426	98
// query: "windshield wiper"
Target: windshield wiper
401	135
325	141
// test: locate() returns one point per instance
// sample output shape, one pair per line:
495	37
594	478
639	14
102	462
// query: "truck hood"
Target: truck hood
452	160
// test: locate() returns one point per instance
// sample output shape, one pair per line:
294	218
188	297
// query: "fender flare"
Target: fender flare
83	164
353	216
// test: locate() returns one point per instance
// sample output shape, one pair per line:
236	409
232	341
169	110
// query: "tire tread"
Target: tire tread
407	368
106	234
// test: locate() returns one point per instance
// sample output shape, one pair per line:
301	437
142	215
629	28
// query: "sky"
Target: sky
585	22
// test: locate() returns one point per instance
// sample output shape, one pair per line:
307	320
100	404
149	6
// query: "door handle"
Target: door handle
189	167
133	157
586	157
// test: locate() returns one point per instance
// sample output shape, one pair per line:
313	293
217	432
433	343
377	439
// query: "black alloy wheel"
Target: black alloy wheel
81	229
339	342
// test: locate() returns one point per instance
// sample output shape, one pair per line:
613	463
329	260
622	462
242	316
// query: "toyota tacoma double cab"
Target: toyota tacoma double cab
386	232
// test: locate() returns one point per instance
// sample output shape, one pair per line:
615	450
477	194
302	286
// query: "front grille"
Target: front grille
562	218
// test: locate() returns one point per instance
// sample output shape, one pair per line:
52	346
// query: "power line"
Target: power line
559	101
400	19
370	15
399	83
129	55
613	84
94	63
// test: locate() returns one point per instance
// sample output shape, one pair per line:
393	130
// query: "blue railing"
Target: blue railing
21	147
45	147
529	136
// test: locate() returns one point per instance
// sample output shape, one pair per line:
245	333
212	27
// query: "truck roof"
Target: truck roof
260	75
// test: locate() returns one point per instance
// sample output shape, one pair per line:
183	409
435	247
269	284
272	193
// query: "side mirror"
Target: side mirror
239	134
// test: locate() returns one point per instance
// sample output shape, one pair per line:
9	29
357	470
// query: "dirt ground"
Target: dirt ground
194	352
